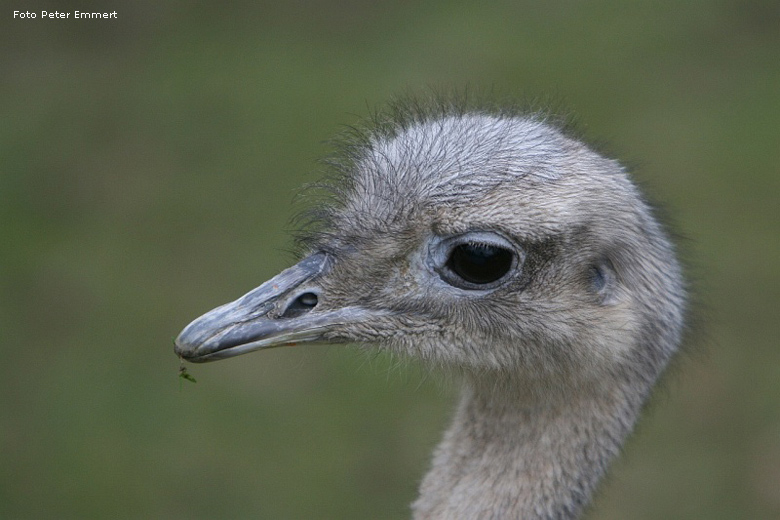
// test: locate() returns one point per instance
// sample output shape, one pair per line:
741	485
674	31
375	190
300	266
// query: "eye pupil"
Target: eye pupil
480	263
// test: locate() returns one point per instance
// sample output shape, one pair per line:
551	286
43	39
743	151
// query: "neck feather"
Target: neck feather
514	453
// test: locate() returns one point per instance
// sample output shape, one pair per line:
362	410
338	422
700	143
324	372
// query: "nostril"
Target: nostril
301	305
308	299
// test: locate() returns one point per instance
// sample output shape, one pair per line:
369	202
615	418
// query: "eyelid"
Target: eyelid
479	237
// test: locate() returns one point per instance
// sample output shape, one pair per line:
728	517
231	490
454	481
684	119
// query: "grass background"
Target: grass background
148	167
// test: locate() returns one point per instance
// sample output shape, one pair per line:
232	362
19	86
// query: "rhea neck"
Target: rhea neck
514	452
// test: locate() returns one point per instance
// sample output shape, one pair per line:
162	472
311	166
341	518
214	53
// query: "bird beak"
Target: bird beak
258	320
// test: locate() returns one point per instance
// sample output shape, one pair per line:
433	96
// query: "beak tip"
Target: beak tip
186	353
182	351
186	346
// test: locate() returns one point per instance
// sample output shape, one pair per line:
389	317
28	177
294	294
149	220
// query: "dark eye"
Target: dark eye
480	264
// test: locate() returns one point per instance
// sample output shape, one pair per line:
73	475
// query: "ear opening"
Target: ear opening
602	280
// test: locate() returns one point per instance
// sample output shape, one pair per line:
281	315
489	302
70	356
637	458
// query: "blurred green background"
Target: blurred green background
148	170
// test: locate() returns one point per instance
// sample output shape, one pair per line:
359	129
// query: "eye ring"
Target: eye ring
475	261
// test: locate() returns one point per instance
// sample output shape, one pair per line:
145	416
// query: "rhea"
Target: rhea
496	246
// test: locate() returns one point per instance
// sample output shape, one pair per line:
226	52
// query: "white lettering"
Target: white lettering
81	14
56	14
26	14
